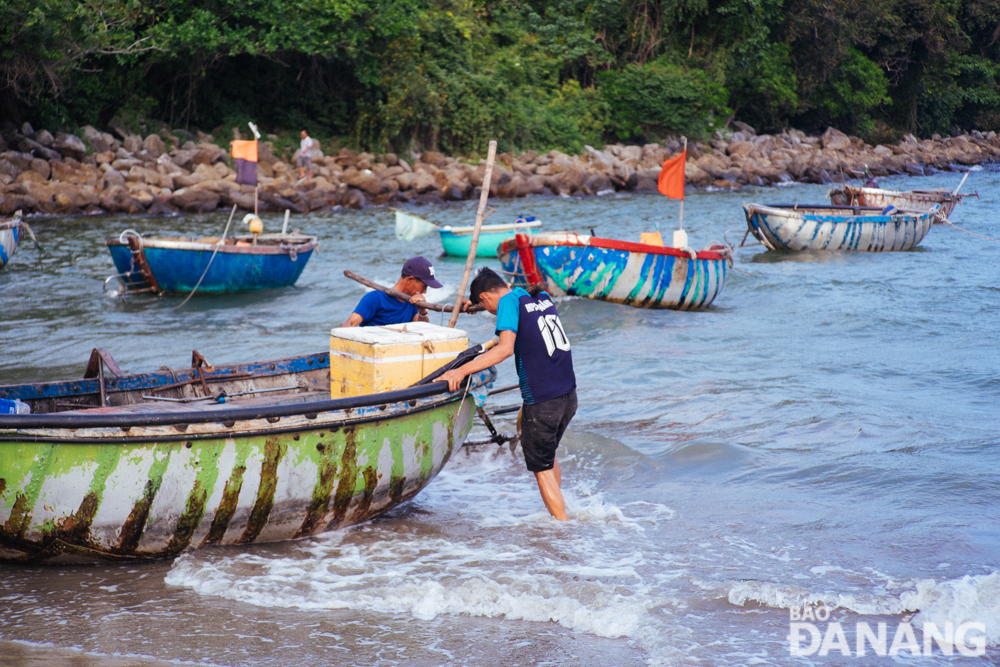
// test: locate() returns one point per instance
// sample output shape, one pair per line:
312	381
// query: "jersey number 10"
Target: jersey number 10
553	334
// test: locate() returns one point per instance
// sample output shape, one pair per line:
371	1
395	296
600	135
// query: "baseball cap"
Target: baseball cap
421	269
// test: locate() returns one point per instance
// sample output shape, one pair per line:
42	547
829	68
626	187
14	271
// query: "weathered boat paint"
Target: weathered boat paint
914	200
10	235
178	265
101	484
456	241
794	227
634	274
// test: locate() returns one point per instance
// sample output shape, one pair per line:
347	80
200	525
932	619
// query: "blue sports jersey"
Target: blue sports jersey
378	308
541	350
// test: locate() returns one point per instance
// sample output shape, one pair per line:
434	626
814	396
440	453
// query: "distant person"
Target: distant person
529	328
305	155
378	308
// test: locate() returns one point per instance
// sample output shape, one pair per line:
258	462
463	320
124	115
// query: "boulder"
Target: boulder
42	167
132	143
31	146
117	199
10	203
194	200
70	145
155	145
107	157
740	148
141	194
433	158
354	199
44	137
835	139
743	128
240	199
30	176
96	139
62	171
20	160
423	183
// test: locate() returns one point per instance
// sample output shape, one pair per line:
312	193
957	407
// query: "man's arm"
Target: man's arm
354	320
492	357
421	315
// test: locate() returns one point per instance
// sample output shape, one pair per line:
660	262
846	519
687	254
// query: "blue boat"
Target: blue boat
233	264
457	240
10	235
819	227
635	274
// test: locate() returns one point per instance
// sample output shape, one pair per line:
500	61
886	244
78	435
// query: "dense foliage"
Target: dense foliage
447	74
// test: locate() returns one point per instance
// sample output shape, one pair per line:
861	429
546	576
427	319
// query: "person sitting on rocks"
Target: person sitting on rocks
378	308
305	155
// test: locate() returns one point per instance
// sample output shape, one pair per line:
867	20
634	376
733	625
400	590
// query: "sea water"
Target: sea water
820	447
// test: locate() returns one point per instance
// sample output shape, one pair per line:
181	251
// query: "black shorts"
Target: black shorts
542	427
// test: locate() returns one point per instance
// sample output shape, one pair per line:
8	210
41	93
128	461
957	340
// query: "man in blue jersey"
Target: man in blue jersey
529	328
378	308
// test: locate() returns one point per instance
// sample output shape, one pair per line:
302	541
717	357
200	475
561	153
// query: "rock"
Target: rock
433	158
96	139
133	143
835	139
695	175
9	203
31	146
162	206
354	199
240	199
107	157
428	199
30	176
70	145
117	199
20	160
44	137
65	172
42	167
745	129
740	148
141	194
423	183
883	151
26	129
111	178
194	200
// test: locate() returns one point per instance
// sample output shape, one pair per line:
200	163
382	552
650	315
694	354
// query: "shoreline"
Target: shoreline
66	175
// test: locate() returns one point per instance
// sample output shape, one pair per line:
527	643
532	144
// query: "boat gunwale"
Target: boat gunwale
490	229
571	239
220	415
944	195
804	212
299	244
228	432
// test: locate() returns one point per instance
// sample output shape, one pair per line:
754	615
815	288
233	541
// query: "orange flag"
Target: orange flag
671	180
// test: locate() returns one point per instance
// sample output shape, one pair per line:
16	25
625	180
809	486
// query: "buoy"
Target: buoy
255	224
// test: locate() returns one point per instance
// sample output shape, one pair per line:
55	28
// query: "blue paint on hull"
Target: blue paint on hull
9	239
457	245
787	229
178	270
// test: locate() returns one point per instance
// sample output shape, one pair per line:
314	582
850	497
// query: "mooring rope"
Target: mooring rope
941	218
210	259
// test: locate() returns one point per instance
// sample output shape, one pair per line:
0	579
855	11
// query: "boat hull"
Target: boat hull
10	235
632	274
915	200
178	266
165	482
456	242
784	228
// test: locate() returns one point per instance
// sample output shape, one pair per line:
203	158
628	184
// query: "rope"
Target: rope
210	259
941	218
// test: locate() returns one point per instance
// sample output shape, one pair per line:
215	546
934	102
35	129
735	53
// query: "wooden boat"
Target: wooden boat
634	274
457	240
831	227
178	264
101	471
10	236
913	200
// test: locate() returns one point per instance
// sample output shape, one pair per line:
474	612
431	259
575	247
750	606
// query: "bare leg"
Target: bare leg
558	472
548	485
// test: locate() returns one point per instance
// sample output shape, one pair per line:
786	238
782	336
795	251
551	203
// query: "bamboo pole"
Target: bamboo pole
405	297
680	225
471	259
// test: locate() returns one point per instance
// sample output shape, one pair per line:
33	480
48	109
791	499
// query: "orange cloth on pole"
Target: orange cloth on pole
671	180
245	150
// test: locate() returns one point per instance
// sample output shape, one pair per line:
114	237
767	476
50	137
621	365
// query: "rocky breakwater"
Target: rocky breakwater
64	174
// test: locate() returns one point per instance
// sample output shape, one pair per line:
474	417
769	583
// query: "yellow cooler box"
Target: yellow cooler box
371	360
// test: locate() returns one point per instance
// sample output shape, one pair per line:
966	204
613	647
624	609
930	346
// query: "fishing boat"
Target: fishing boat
832	227
10	235
642	275
232	264
913	200
124	467
457	240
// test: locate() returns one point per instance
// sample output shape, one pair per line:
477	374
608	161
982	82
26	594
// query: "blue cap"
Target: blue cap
422	270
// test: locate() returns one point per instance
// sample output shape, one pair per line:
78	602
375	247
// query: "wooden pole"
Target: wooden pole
471	259
405	297
680	225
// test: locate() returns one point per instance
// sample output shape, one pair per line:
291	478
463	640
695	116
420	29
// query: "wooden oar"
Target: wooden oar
405	297
471	259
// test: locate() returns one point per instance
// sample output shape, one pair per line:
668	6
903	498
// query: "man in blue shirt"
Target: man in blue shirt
378	308
529	328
